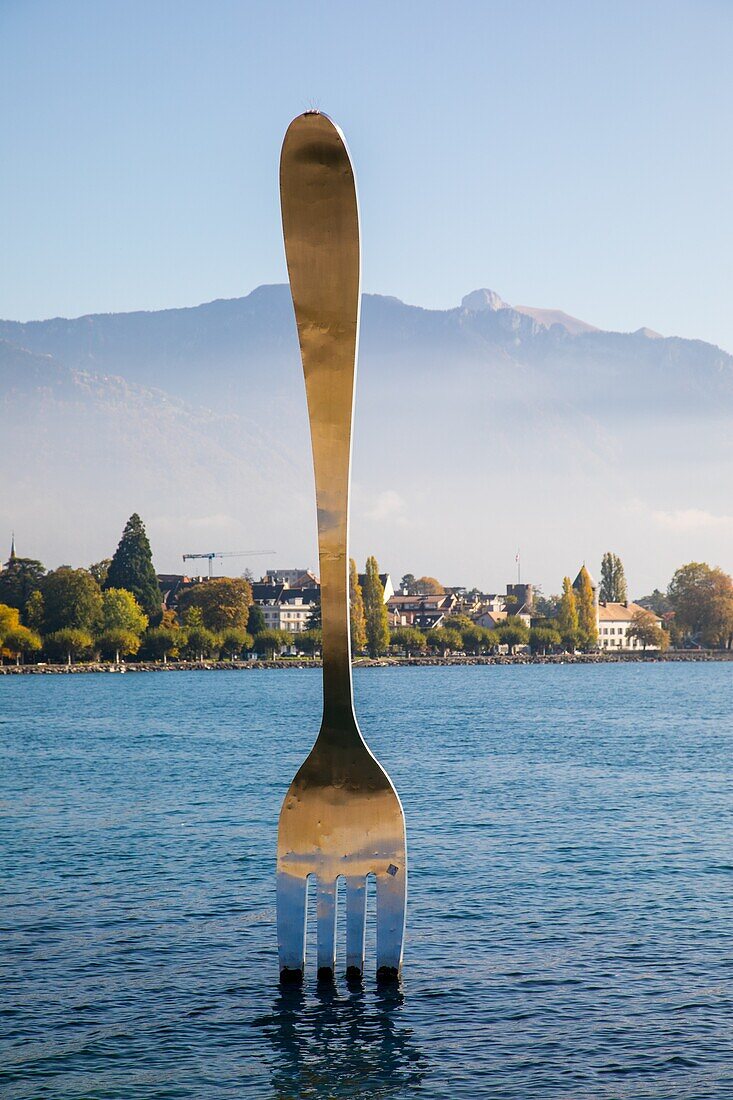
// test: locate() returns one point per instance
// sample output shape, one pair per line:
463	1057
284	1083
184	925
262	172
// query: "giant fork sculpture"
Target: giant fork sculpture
341	816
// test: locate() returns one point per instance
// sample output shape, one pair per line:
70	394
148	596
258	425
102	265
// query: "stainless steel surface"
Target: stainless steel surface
341	817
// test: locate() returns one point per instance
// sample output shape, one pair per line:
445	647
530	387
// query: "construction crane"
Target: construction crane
227	554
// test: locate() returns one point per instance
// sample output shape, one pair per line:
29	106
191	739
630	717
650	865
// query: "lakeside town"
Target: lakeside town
120	609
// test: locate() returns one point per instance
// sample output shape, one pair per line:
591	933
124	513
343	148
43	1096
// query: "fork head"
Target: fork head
341	818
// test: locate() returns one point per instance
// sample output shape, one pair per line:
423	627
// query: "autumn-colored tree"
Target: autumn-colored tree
587	616
428	586
375	610
567	615
644	627
116	641
702	598
121	612
224	602
19	641
356	610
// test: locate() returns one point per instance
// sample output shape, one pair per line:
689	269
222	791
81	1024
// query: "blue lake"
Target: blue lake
570	921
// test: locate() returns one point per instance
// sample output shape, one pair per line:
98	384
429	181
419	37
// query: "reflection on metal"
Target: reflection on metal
341	816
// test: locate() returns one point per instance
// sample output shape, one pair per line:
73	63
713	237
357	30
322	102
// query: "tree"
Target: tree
100	569
132	568
444	640
644	628
458	622
9	619
567	615
68	643
121	611
116	641
356	610
408	638
235	641
545	607
702	599
268	641
377	620
613	579
542	638
512	632
34	610
19	641
428	586
309	641
587	617
72	598
407	584
19	578
315	619
224	602
656	601
199	641
256	620
476	639
162	642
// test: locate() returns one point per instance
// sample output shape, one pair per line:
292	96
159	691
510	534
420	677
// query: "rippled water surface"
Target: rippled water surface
570	927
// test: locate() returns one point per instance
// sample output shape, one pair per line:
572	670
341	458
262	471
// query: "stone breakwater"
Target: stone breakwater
364	662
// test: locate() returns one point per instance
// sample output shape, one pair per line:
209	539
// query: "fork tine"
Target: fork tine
326	914
391	896
355	925
291	917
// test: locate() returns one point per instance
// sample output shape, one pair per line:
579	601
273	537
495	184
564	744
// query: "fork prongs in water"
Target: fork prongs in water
292	893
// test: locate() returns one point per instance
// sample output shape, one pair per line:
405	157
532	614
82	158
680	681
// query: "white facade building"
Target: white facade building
614	620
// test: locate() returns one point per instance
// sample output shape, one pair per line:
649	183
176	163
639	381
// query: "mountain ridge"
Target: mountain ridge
196	417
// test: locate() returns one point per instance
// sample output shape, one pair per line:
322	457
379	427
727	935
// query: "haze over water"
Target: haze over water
569	924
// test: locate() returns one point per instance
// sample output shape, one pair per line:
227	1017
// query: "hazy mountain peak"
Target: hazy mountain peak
479	300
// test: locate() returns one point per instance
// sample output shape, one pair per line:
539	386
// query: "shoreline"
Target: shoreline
367	662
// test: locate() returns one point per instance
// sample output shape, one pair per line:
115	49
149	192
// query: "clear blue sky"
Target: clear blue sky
567	154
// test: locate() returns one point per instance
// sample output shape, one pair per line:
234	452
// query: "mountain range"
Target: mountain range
479	430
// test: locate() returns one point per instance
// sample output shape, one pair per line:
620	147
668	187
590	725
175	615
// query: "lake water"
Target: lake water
570	923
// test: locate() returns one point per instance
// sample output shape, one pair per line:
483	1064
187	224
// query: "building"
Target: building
285	608
387	585
425	612
614	620
293	578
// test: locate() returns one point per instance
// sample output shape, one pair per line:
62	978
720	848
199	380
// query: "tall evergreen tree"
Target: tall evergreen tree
132	568
375	611
356	610
613	579
587	619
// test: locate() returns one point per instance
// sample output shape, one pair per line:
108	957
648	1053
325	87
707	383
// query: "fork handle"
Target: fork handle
321	231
